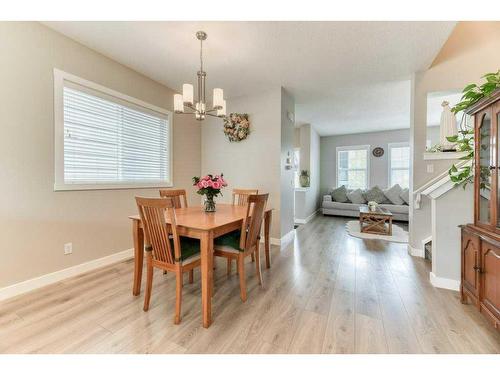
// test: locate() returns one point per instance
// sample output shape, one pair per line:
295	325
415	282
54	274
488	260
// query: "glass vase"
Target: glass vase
209	204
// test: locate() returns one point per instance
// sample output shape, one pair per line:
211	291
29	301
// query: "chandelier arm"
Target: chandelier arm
211	114
186	113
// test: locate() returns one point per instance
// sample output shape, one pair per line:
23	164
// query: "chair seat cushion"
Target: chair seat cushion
189	247
229	240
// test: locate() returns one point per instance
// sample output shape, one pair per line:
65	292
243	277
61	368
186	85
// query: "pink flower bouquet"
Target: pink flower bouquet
210	186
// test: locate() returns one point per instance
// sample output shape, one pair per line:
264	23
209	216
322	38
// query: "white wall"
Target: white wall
446	233
307	201
287	175
36	222
253	162
379	168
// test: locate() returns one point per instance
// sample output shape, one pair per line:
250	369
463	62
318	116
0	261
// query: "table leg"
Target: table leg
138	235
267	242
206	244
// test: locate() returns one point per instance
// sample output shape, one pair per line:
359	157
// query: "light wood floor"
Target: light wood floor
326	293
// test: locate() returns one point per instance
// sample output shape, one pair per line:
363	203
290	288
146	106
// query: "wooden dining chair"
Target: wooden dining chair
169	253
240	196
242	243
176	195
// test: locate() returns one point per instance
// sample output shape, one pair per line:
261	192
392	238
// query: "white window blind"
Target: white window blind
399	164
353	167
111	142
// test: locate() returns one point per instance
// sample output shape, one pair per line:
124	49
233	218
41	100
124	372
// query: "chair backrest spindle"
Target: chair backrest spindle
153	212
253	220
176	195
240	196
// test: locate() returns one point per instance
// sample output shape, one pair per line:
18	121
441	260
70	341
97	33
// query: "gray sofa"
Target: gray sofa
329	207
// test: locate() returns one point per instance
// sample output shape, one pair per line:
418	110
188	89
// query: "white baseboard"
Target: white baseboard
54	277
272	240
307	219
413	251
287	238
441	282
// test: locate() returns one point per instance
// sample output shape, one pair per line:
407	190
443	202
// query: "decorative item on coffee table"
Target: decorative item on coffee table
376	221
210	186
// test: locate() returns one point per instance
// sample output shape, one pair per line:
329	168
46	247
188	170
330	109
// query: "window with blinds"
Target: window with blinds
399	164
109	141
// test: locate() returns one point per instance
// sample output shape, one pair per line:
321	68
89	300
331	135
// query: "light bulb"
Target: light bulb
218	98
187	93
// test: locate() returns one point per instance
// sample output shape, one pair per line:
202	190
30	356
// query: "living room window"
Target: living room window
353	167
105	139
399	164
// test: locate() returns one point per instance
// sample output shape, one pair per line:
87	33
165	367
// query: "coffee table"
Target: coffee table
378	221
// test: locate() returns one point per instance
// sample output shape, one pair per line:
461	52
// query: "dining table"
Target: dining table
194	222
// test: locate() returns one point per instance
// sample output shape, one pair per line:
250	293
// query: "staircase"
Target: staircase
450	206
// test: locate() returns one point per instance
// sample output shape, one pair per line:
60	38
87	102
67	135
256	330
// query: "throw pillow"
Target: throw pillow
405	195
340	194
375	194
393	194
356	196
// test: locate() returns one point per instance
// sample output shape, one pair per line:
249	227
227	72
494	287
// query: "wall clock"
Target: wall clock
378	152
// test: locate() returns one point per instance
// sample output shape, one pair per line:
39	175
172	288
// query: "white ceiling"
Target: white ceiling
346	77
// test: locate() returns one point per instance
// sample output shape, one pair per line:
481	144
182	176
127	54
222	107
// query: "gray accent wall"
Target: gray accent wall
379	167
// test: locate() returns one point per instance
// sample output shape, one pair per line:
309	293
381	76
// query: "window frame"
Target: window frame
60	77
390	146
367	148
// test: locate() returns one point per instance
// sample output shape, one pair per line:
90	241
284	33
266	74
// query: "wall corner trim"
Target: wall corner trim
287	239
307	219
441	282
413	251
54	277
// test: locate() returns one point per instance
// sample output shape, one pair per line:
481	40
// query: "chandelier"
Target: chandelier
185	103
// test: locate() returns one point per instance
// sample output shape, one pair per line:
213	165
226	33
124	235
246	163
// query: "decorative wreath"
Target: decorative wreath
236	126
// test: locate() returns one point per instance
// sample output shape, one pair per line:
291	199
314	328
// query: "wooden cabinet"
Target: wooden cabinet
480	251
481	271
470	264
490	281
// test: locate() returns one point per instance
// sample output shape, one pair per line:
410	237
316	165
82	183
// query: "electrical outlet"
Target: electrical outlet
430	168
68	248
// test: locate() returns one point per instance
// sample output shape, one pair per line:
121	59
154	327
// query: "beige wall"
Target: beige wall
35	220
472	50
253	162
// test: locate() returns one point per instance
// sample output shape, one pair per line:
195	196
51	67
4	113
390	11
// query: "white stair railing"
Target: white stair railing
434	183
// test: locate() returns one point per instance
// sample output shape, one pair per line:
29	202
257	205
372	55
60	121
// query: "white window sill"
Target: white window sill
444	155
145	185
301	189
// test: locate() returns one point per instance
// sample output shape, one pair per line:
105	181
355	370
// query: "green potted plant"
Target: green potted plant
304	178
464	141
